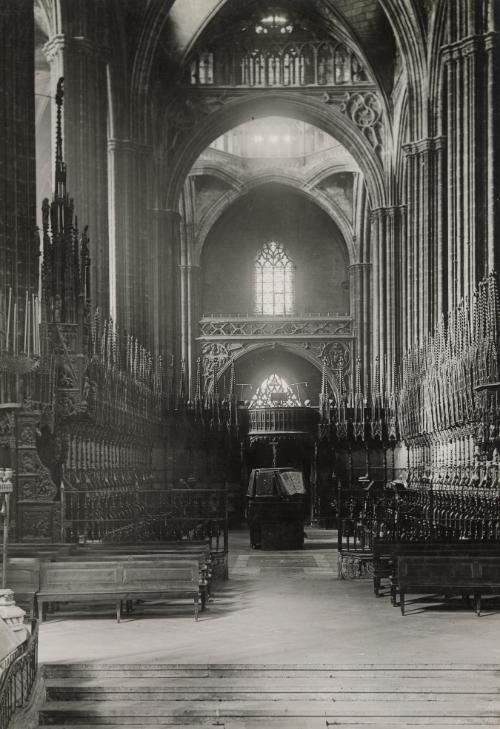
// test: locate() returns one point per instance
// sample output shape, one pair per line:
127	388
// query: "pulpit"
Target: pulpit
276	508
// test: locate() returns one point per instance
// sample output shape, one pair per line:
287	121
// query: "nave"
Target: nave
283	643
240	237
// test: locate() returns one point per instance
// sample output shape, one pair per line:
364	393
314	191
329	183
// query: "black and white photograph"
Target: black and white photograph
249	364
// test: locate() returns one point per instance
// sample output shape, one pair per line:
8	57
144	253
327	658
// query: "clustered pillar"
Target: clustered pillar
422	254
469	107
386	225
165	236
78	52
130	243
19	247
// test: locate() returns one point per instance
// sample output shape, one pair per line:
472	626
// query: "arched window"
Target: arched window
274	392
274	292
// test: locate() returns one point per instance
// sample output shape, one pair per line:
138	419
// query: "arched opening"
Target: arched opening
314	281
203	129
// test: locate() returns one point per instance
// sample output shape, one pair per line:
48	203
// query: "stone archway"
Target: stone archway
232	196
201	122
322	355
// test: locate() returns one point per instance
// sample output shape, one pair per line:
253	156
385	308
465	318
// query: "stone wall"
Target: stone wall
310	237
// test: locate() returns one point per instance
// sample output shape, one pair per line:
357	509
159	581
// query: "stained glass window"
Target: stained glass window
274	270
274	392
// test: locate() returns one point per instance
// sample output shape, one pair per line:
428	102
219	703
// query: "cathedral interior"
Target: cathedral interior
249	363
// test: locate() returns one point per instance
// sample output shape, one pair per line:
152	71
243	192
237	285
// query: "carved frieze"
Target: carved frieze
335	355
364	109
7	428
36	488
186	110
26	435
38	522
33	479
65	405
214	357
228	328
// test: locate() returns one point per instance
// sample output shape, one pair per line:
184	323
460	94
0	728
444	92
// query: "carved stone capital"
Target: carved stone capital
59	45
423	146
128	146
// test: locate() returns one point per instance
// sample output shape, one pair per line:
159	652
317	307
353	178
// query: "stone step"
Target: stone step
106	694
129	712
269	696
265	670
360	683
290	723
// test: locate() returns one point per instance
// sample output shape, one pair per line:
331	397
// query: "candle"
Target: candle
14	330
7	337
37	324
34	321
26	319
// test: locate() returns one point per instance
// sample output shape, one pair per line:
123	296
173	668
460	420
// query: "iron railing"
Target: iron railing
18	677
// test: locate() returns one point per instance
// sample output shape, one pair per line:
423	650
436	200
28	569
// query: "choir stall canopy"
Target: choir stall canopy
276	508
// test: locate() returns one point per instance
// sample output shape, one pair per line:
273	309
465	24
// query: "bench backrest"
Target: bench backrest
200	559
23	575
166	549
460	549
150	546
432	570
160	574
489	569
87	577
78	577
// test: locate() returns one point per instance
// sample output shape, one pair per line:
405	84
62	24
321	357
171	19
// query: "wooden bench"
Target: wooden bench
171	550
386	554
449	575
23	578
205	574
117	581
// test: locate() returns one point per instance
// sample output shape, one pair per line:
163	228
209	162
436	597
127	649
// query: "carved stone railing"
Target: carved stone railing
274	62
313	326
269	422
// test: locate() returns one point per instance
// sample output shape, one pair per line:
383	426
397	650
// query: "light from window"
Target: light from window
273	281
274	392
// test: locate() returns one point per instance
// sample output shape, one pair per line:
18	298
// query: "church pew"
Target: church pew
23	578
200	557
113	581
385	556
448	575
174	550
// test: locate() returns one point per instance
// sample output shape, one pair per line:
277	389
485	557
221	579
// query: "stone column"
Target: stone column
471	62
190	314
359	286
492	68
132	251
403	285
79	55
424	244
19	249
386	225
377	343
166	237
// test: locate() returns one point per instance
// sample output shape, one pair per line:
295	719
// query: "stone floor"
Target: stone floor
281	608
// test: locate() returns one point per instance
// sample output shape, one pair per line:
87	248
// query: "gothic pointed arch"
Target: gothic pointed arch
207	125
329	206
